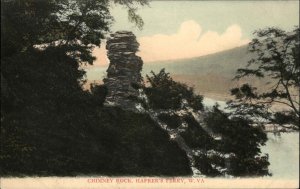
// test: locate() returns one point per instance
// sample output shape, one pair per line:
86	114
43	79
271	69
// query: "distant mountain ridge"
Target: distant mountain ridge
210	75
225	62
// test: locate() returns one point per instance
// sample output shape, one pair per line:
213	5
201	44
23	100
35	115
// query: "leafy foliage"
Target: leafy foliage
165	93
110	142
173	121
277	58
49	124
239	139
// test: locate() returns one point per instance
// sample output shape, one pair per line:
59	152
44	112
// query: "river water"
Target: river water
283	153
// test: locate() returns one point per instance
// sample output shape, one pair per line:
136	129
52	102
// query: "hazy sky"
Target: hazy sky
184	29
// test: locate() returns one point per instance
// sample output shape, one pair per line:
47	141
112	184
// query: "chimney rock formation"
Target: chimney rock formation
124	71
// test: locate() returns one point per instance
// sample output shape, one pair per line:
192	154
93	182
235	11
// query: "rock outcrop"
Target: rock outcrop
124	83
124	71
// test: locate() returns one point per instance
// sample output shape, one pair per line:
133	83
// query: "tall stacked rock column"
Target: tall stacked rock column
124	71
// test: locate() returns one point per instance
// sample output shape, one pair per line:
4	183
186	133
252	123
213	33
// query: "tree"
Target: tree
217	138
79	25
241	139
46	42
165	93
45	113
276	61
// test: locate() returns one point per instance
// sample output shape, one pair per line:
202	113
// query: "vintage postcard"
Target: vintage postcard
149	94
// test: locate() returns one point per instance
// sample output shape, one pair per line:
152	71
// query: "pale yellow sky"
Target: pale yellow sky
189	41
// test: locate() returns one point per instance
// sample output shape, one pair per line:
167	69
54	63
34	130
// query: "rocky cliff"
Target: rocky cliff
208	149
124	71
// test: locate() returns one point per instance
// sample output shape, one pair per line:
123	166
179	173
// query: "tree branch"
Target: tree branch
289	98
